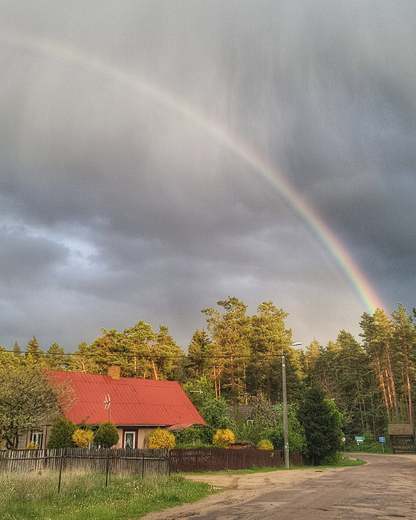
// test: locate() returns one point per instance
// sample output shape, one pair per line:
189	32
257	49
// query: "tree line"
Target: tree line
370	379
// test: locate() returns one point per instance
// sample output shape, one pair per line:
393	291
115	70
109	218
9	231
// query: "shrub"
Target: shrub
106	436
265	444
82	437
223	438
195	436
61	434
161	439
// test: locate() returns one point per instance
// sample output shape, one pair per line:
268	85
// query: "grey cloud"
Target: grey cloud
136	212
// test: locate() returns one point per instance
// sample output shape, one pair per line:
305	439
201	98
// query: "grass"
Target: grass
369	448
84	496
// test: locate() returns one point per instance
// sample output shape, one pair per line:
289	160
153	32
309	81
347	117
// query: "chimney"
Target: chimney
113	371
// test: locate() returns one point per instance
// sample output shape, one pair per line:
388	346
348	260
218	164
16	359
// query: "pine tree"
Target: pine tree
198	361
269	339
230	336
55	357
16	349
404	356
321	421
34	352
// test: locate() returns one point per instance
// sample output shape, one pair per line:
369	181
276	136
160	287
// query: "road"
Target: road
384	488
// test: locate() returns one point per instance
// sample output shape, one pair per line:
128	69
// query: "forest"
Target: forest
236	357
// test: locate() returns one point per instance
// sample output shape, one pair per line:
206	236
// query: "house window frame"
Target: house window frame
36	437
132	432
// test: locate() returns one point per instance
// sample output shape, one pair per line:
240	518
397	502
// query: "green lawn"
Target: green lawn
84	496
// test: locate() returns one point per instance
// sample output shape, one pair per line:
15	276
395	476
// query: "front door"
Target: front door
129	439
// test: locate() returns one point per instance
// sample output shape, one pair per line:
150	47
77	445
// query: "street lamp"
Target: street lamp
285	419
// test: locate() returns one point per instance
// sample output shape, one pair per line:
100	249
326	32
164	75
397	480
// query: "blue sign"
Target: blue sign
382	440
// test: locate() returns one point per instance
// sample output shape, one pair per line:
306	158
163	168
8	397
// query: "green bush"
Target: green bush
61	434
106	435
194	436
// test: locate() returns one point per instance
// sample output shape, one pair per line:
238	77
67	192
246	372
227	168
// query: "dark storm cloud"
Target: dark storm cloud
114	208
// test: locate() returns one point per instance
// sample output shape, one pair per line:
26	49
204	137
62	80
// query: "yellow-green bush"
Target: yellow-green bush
265	444
161	439
82	438
223	438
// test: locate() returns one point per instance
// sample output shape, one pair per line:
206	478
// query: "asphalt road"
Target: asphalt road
384	488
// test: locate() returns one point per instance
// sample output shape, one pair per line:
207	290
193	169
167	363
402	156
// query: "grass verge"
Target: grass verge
34	496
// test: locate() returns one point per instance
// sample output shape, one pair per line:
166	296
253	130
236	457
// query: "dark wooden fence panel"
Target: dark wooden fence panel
403	443
215	459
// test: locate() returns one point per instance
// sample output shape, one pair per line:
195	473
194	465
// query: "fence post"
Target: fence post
143	464
61	460
169	468
107	467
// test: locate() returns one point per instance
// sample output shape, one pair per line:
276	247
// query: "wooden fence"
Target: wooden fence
140	462
215	459
403	443
116	461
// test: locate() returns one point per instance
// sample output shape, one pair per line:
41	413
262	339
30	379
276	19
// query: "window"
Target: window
37	438
129	439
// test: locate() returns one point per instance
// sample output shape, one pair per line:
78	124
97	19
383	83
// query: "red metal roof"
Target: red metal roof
133	401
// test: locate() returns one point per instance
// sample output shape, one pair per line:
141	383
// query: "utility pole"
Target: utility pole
285	420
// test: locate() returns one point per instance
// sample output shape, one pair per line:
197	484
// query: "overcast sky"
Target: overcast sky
115	208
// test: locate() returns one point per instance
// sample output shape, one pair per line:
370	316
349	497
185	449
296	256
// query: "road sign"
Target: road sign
359	439
382	440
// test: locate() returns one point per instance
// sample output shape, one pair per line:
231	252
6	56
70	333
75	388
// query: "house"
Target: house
134	406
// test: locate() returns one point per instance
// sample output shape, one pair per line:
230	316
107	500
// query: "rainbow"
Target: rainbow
224	137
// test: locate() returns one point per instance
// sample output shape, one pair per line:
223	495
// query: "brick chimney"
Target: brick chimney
113	371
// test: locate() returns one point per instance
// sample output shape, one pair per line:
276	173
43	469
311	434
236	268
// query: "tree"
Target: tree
33	351
106	435
16	348
229	331
404	357
214	410
61	433
198	362
343	371
27	401
55	357
322	424
166	355
269	339
377	334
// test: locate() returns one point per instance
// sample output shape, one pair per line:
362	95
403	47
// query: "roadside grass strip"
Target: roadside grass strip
84	495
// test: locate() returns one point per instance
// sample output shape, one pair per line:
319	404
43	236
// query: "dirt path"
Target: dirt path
382	489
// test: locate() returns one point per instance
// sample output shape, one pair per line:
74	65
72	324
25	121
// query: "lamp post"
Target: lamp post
285	419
